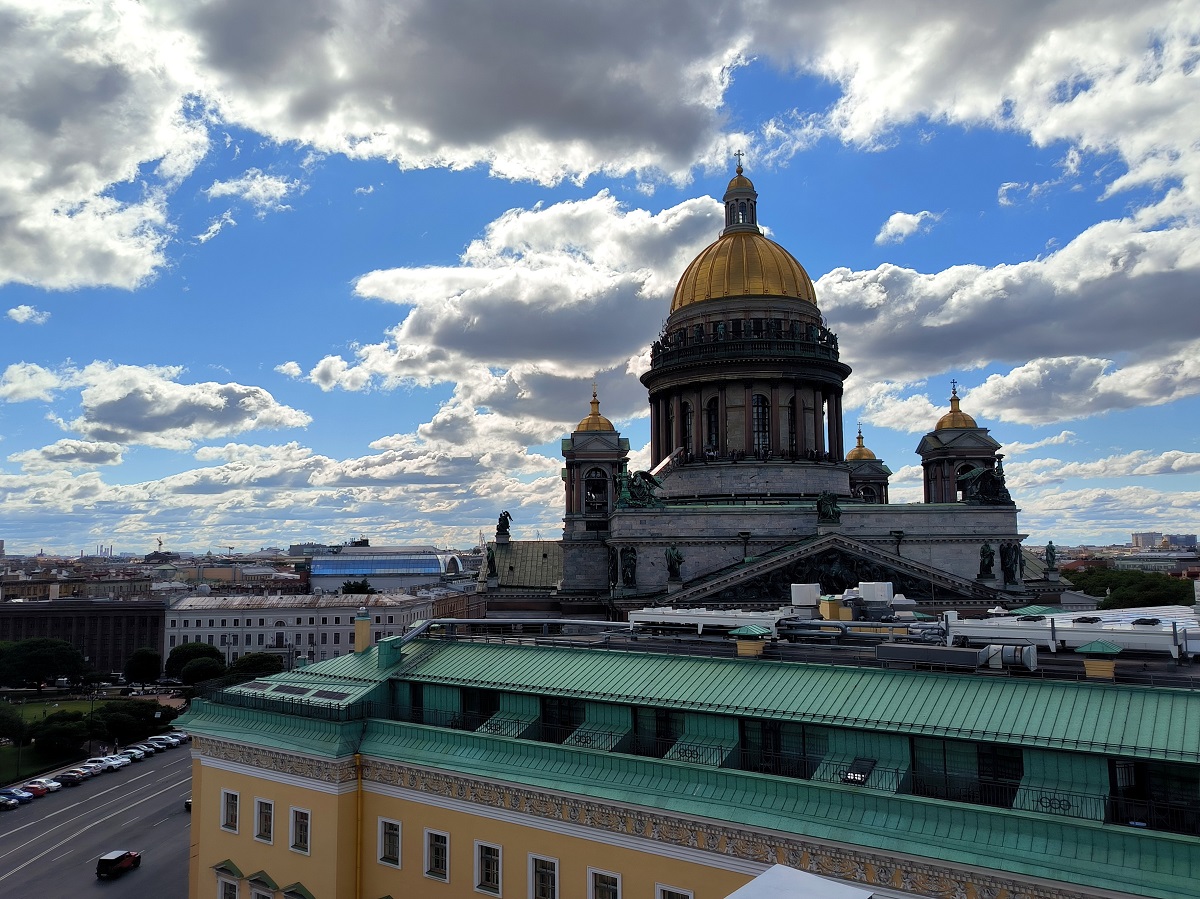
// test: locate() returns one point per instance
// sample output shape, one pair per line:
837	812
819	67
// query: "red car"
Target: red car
35	788
114	864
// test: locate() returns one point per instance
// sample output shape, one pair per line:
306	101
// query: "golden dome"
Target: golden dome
595	421
955	418
742	264
860	453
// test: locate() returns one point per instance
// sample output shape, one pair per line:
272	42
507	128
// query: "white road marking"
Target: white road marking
73	836
71	808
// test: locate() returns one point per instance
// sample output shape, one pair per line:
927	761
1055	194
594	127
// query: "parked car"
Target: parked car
132	753
121	761
187	805
116	863
34	788
70	778
22	796
181	736
8	805
164	741
93	767
148	748
46	783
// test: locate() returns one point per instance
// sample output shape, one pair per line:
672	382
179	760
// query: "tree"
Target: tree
356	588
201	669
1133	589
129	720
12	725
144	666
40	660
59	734
186	652
257	664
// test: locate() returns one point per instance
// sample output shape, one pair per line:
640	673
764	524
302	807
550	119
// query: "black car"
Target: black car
116	863
69	778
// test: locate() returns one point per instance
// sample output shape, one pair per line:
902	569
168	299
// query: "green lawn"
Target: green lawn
36	710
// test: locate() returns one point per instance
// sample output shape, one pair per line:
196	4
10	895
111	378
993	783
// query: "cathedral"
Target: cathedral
751	487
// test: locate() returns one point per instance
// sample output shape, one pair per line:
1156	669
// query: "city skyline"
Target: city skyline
280	272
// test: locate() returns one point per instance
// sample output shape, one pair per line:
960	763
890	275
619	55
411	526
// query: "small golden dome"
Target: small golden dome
739	181
860	453
955	418
595	421
742	264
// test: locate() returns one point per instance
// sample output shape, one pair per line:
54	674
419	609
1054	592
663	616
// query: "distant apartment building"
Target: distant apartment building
106	632
1157	540
309	628
1162	562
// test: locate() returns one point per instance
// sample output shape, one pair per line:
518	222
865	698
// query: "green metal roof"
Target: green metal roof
1099	648
1086	717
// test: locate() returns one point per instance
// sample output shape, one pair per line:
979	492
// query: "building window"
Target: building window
229	810
543	878
389	842
437	855
300	830
324	620
324	638
264	816
662	892
227	889
712	432
603	885
223	620
595	491
337	619
337	638
174	622
172	639
224	639
261	637
258	894
487	868
762	425
352	638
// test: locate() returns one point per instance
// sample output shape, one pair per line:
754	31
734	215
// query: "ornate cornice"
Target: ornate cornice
329	771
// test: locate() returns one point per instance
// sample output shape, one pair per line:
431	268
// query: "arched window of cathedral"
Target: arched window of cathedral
791	427
595	491
762	426
963	469
742	213
712	430
735	328
753	216
868	494
688	423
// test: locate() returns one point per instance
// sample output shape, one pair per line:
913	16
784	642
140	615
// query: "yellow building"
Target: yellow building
460	765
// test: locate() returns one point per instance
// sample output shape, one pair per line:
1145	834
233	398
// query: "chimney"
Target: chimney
362	629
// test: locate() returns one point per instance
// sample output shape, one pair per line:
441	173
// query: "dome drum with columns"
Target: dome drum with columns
745	368
750	482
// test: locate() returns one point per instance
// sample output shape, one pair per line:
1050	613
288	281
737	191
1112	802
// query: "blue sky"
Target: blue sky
286	271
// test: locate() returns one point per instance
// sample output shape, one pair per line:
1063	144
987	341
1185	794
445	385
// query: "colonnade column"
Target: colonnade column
676	437
819	419
722	422
836	450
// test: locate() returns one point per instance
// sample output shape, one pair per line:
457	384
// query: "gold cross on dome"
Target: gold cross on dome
738	155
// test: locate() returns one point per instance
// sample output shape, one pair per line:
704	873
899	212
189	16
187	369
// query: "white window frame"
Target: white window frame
533	859
661	890
307	850
259	894
591	881
383	822
445	878
270	837
237	810
222	884
479	887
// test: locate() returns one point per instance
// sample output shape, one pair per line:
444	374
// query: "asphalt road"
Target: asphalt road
48	848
